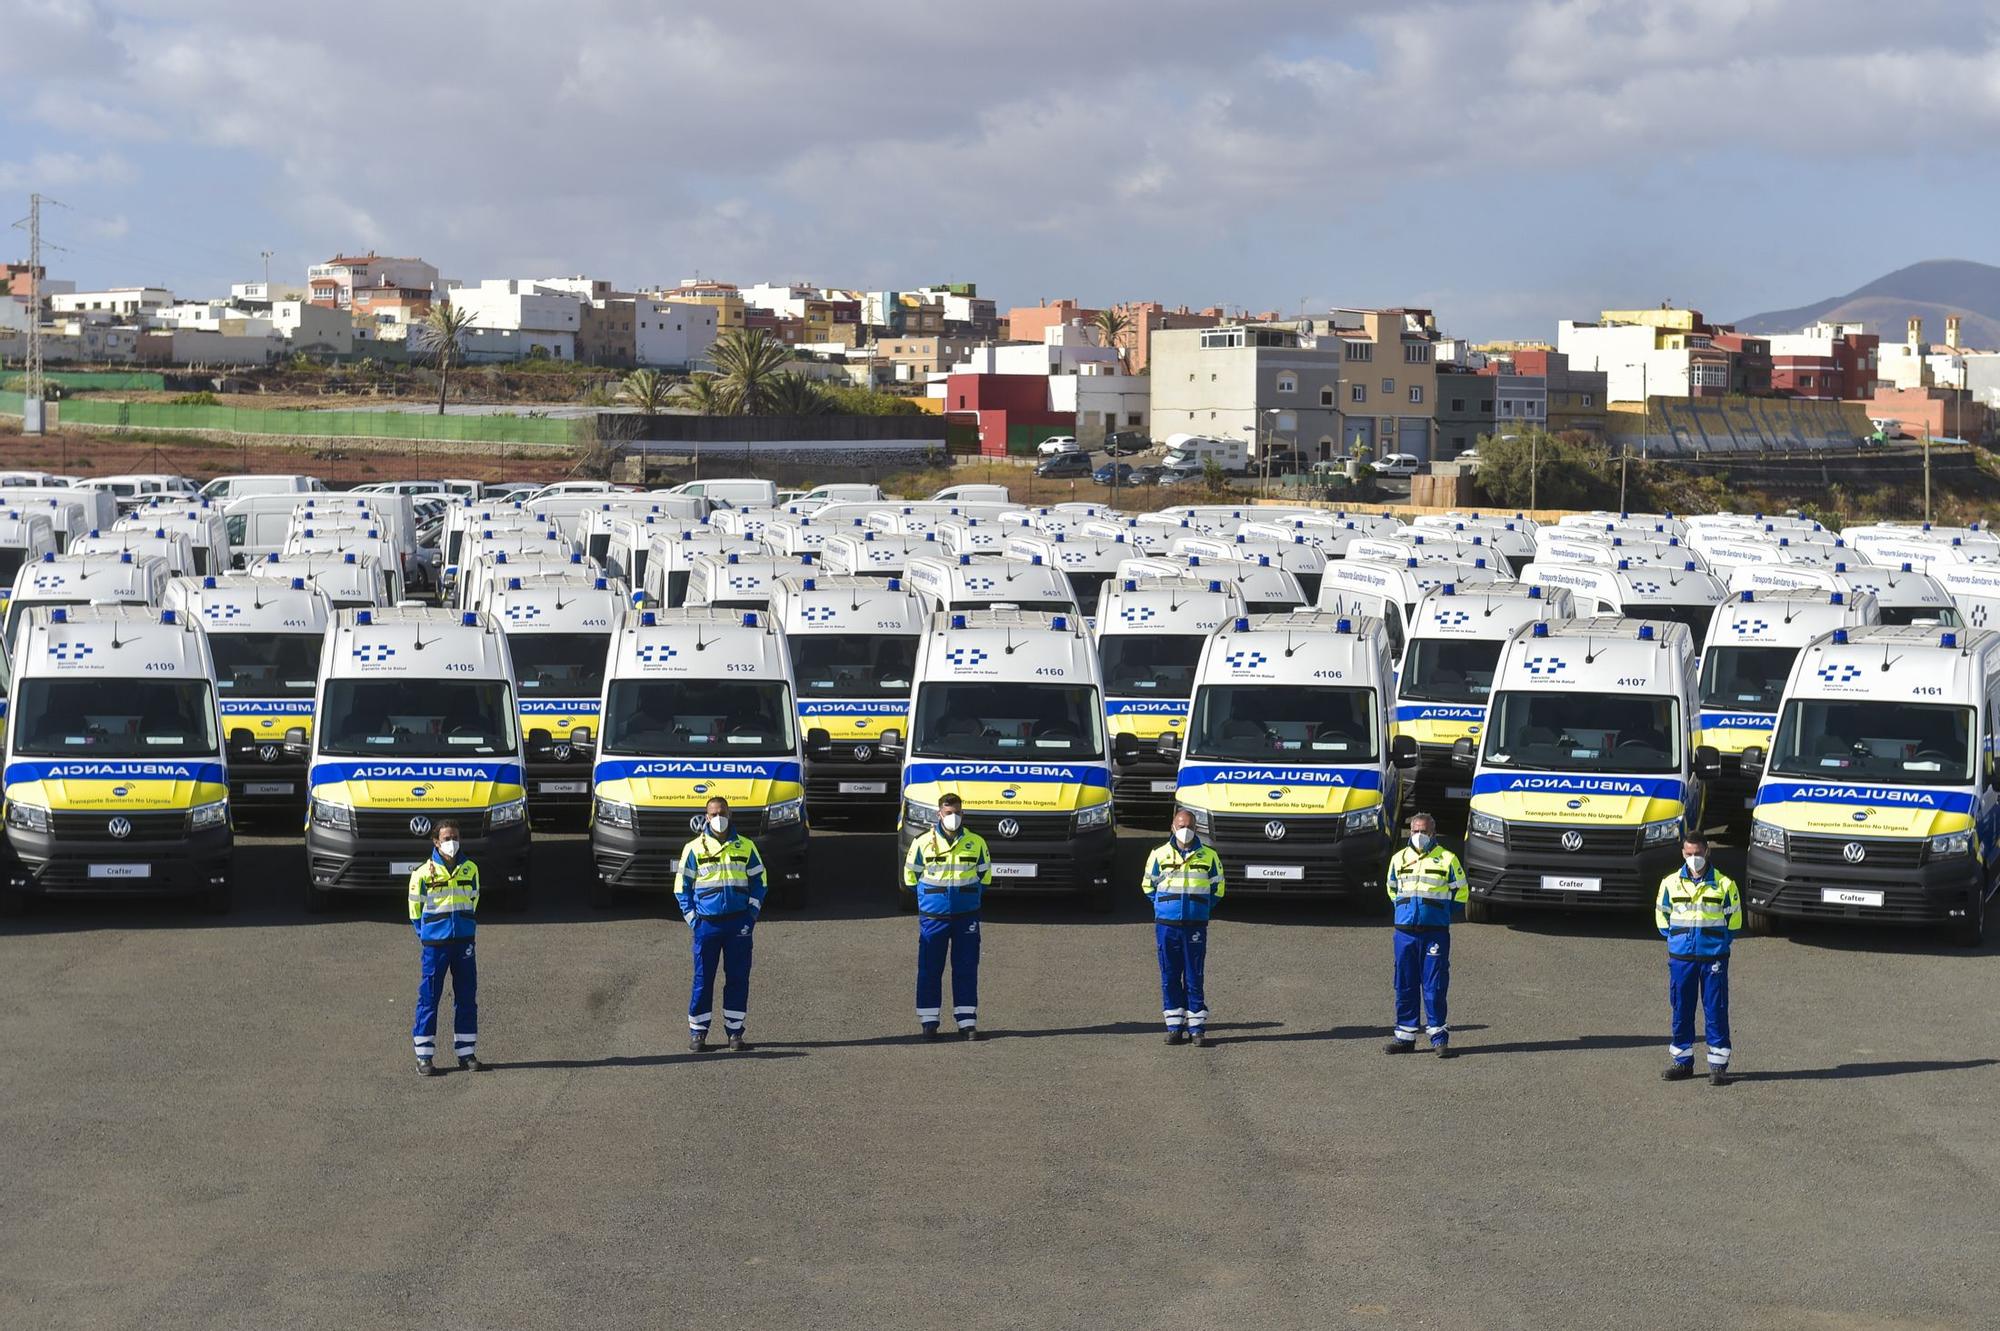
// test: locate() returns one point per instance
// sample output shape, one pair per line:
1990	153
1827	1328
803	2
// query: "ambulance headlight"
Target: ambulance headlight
339	817
1951	844
1097	815
919	815
1768	836
208	815
784	813
27	817
1487	826
506	815
1661	834
612	813
1362	820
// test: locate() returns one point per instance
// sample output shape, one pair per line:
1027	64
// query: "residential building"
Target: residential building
1667	352
913	360
334	282
531	314
1389	380
264	293
1012	410
313	329
722	297
1937	412
964	312
1576	399
804	313
1083	377
20	277
1467	402
1250	381
1915	363
126	303
254	343
1832	361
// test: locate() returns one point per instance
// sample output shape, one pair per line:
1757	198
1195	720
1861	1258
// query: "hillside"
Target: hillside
1928	290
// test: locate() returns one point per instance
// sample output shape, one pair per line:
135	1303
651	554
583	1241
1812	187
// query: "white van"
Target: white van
24	539
1150	633
966	583
72	511
559	632
207	533
1087	563
265	637
174	548
1587	774
1390	590
406	739
853	646
64	580
1876	802
115	780
226	488
976	494
867	554
1685	595
1286	766
1305	560
739	492
741	581
350	581
1266	589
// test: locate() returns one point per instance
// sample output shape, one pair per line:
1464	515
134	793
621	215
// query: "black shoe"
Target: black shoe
930	1032
1175	1036
1400	1047
425	1068
1718	1076
968	1033
736	1045
1677	1072
1200	1039
1445	1051
471	1063
697	1043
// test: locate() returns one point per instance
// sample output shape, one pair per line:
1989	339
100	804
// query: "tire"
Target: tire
13	902
1478	910
601	895
1971	931
318	902
797	894
1099	900
217	899
1765	923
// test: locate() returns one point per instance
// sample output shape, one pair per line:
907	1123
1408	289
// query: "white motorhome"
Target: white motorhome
1876	803
1286	766
1587	774
1193	451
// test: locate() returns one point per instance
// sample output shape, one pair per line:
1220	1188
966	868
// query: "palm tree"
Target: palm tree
750	360
440	336
792	394
704	394
646	390
1113	328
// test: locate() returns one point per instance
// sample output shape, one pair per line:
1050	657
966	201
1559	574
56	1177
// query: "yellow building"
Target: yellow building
1671	327
722	297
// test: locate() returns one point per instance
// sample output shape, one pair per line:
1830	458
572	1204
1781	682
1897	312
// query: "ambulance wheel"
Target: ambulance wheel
318	902
517	901
797	894
217	899
1971	931
1763	922
12	900
1478	910
1099	900
601	895
906	899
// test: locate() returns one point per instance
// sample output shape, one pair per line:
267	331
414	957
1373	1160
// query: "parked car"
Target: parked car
1469	458
1145	476
1178	475
1126	443
1281	462
1064	465
1113	473
1058	443
1397	464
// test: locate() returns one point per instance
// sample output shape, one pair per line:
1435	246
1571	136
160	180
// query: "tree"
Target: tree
792	394
750	360
1527	466
1113	329
646	390
440	337
704	394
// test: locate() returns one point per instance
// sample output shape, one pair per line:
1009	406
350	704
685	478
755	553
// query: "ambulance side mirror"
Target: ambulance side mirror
1707	762
582	740
1124	747
890	745
296	745
1753	763
819	743
1461	754
1170	744
1403	752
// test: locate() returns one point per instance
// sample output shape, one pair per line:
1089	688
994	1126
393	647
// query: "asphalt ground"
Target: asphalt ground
214	1123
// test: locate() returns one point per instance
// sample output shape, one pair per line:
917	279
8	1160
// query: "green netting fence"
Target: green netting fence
128	381
312	424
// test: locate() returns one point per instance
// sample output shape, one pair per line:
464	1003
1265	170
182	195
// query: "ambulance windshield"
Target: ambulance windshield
1926	744
114	718
1583	732
1258	722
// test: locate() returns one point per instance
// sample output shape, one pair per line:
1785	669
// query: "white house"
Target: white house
125	302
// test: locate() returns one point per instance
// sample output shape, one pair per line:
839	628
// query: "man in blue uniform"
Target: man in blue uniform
444	901
720	891
950	869
1699	912
1427	883
1184	879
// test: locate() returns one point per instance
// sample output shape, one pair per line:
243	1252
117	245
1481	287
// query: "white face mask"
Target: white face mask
718	823
1697	864
950	822
1422	841
1184	835
448	849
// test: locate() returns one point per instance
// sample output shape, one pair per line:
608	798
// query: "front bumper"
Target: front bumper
1305	862
1034	862
558	786
1558	880
1145	783
341	861
49	865
1921	893
636	861
843	784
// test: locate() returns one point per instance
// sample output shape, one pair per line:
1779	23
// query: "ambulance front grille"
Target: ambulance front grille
387	824
145	827
1877	852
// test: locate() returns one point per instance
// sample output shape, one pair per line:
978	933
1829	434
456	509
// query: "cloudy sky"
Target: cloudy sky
1508	162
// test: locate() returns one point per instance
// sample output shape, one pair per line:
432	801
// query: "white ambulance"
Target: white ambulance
1150	632
559	630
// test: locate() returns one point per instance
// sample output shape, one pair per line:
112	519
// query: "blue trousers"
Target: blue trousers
456	960
1423	980
1183	963
723	938
1706	980
957	936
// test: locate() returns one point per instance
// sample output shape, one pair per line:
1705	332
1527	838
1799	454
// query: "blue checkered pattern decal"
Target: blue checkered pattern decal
966	655
1746	627
1246	659
1540	666
1453	618
521	614
817	614
225	612
371	653
655	653
1136	614
1839	674
71	651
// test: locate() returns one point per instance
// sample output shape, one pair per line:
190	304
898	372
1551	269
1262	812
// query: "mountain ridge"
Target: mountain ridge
1929	289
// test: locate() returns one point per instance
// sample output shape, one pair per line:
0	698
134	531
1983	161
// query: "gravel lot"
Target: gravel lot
214	1124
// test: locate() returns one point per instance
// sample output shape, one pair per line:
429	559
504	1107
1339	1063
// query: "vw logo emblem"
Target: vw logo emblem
698	824
1854	852
561	753
1572	841
119	827
1008	827
862	753
267	753
1274	830
420	826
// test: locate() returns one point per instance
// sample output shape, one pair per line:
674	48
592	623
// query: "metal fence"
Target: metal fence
311	424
